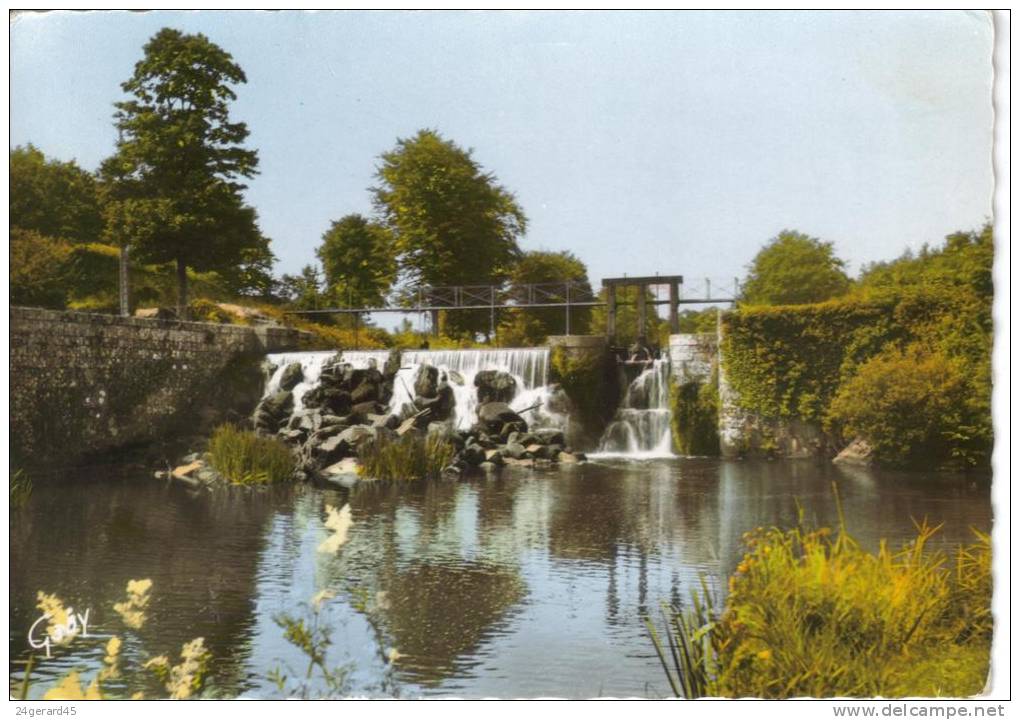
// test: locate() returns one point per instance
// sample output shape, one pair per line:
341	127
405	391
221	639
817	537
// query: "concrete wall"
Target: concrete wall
692	356
84	384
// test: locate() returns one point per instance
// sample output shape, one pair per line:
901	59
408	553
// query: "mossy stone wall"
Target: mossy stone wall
84	384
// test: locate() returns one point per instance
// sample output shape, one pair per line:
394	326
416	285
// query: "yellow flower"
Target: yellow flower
765	655
69	688
131	610
111	669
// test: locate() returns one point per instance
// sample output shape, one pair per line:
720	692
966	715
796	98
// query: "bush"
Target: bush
810	613
695	417
412	457
246	458
38	270
911	406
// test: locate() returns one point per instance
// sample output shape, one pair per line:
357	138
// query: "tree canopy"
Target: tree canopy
175	177
532	326
453	223
358	261
55	199
792	269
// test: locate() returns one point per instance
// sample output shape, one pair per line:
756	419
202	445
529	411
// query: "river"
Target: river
523	584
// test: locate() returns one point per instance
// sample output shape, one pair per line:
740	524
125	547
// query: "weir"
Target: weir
528	366
641	426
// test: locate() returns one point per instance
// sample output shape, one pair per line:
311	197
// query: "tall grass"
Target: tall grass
810	613
412	457
245	458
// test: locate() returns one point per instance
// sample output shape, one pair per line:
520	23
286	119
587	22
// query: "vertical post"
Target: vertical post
610	310
642	313
708	288
125	289
568	307
435	322
674	305
492	313
357	327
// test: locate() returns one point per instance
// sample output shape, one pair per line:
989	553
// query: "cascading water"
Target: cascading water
528	366
641	427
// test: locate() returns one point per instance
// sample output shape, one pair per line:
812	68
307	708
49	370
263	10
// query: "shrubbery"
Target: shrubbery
412	457
810	613
695	417
912	406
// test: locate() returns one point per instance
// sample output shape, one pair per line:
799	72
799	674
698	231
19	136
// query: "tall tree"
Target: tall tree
303	291
358	261
179	161
55	199
794	268
454	224
532	326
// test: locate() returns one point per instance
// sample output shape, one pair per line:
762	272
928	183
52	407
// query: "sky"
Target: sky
644	142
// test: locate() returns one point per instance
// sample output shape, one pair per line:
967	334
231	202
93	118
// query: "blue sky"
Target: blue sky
645	142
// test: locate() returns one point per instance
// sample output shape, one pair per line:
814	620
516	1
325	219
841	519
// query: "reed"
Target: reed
810	613
246	458
21	487
411	457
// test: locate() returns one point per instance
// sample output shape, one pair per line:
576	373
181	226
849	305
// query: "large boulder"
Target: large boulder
292	375
426	381
494	416
366	391
495	386
273	412
392	365
859	453
441	406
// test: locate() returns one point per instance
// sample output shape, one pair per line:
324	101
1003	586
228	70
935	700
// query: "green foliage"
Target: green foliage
411	457
591	383
791	361
912	405
313	638
303	291
794	268
174	190
246	458
358	261
695	417
203	310
812	614
38	269
627	318
454	225
531	327
53	198
695	322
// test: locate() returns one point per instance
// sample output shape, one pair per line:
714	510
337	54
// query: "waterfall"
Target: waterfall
528	366
641	427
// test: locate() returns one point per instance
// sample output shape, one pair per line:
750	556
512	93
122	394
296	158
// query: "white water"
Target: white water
641	427
528	366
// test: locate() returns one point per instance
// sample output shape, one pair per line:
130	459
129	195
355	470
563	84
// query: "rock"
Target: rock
550	452
365	392
488	467
516	451
495	386
441	405
273	411
190	458
292	375
443	430
386	421
182	471
208	475
451	472
473	455
294	437
456	378
859	452
161	475
550	436
426	381
392	365
509	428
157	313
495	416
533	448
519	463
568	458
344	473
494	457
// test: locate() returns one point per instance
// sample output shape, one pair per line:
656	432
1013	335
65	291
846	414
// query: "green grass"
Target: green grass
810	613
412	457
245	458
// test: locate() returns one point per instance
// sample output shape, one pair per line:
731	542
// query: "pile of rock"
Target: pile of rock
349	408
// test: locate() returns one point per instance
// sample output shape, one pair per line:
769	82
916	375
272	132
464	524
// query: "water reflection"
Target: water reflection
519	584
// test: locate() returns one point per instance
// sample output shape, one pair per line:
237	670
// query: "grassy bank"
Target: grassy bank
810	613
245	458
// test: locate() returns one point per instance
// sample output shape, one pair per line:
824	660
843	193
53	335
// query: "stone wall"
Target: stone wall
84	384
692	356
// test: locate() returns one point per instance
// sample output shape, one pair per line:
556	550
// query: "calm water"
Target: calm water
530	583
